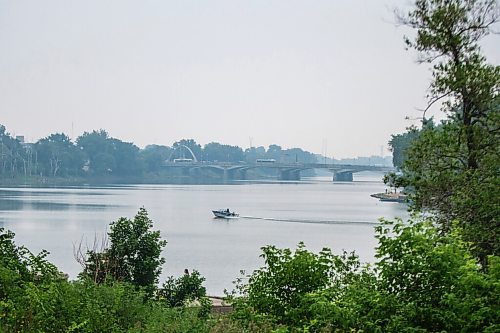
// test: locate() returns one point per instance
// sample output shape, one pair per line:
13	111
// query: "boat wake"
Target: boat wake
307	220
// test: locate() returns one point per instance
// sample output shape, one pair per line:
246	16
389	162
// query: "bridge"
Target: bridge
285	171
228	171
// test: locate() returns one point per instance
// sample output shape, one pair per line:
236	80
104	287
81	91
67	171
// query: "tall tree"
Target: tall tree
254	153
454	167
98	151
448	32
58	156
400	143
297	155
126	155
215	151
134	254
154	156
12	154
106	155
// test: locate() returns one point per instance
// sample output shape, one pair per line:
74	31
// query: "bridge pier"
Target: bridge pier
289	174
193	172
186	172
243	174
234	174
342	176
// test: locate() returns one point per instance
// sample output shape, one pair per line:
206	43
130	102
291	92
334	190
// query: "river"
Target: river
322	213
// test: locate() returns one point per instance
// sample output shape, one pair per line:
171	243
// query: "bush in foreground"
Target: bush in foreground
422	282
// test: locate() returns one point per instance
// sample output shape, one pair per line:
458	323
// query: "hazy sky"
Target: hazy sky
294	73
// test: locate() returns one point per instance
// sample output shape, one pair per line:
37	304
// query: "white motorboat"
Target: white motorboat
225	213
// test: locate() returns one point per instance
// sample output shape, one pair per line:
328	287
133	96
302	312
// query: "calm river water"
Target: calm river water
317	211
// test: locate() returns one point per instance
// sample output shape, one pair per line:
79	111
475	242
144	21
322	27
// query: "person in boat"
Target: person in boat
227	210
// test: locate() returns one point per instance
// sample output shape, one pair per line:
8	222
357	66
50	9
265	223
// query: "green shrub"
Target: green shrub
134	254
423	281
292	285
430	281
34	297
182	290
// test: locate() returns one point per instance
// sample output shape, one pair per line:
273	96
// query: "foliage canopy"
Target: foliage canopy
453	167
134	254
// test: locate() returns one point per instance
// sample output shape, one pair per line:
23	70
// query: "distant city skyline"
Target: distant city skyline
330	77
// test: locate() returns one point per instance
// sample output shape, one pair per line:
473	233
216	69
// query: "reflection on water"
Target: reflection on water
43	199
14	204
319	212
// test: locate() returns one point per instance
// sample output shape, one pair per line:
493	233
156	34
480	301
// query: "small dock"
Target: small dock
219	305
391	197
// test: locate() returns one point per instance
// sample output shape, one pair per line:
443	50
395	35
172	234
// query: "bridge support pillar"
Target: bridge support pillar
289	175
243	174
231	174
344	176
186	172
193	172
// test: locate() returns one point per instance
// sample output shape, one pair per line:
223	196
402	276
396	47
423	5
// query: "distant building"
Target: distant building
26	145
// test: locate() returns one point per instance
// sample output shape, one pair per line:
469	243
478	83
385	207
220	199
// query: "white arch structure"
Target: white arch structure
188	149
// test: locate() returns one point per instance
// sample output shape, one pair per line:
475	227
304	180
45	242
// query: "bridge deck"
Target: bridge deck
296	166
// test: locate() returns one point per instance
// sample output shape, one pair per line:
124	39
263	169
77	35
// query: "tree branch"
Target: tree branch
433	101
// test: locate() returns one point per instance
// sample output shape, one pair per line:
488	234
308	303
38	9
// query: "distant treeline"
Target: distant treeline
96	154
